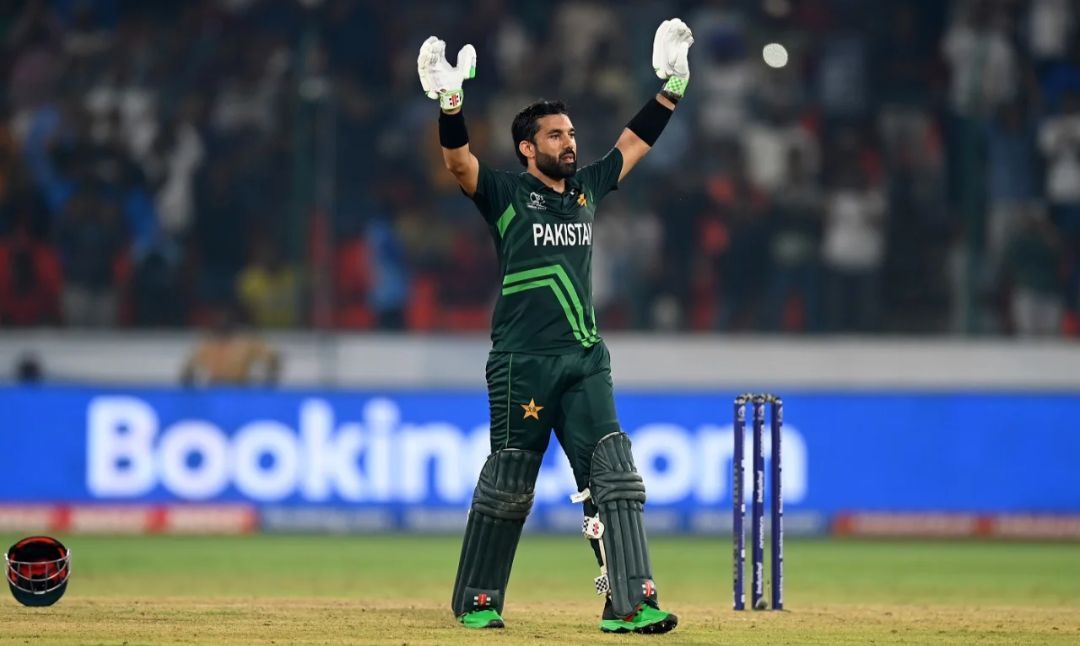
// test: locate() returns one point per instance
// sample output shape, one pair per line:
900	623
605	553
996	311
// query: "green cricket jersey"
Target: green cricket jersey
544	243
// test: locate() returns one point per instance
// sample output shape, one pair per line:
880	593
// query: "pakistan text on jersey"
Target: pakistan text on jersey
565	234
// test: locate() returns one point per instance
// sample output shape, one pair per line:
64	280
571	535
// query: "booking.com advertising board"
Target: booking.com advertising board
409	460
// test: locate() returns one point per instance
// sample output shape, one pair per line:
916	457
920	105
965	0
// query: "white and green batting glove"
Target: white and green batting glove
441	80
669	55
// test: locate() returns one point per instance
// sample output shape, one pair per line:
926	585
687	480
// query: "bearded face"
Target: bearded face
556	147
561	167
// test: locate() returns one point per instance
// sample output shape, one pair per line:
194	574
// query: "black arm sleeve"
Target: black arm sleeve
649	122
452	132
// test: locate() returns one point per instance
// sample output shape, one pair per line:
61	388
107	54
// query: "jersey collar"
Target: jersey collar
535	184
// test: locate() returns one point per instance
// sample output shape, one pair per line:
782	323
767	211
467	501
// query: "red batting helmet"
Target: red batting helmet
37	570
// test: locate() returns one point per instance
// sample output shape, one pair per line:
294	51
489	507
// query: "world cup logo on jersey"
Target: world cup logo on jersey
536	202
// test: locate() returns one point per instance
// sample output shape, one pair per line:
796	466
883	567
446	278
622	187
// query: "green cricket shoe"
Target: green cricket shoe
648	620
486	618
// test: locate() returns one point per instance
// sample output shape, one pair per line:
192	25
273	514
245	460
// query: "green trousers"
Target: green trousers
532	394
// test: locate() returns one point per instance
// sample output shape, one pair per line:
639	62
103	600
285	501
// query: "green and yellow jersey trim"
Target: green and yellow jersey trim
555	278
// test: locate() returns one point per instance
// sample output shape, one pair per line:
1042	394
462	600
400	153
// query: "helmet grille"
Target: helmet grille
37	565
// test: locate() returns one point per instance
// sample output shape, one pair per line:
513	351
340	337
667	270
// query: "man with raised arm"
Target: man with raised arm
548	367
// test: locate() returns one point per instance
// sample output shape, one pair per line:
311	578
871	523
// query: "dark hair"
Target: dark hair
525	124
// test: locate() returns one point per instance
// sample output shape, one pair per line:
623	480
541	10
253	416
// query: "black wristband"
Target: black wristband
649	122
452	132
670	96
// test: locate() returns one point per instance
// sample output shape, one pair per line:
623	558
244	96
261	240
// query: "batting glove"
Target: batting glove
669	55
441	80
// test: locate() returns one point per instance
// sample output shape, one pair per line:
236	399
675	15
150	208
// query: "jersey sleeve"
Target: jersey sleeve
494	190
602	176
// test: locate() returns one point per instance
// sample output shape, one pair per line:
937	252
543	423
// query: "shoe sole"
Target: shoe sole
494	623
619	629
657	628
662	626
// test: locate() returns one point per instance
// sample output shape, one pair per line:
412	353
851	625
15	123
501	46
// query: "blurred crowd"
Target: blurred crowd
915	168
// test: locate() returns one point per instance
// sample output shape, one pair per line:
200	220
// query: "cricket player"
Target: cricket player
548	368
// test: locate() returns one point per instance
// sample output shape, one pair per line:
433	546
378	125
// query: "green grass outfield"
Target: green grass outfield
394	590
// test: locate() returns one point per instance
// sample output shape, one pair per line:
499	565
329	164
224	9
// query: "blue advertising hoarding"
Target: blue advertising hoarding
396	452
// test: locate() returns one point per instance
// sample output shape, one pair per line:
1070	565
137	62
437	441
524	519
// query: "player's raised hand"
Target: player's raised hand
439	79
671	45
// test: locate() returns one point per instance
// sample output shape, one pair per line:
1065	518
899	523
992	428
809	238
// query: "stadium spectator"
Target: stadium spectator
268	289
389	296
841	77
198	123
739	219
159	296
36	61
1011	185
221	222
904	62
794	249
91	239
1059	140
229	356
726	77
1050	25
626	260
30	281
768	143
853	251
29	369
983	62
172	164
1033	265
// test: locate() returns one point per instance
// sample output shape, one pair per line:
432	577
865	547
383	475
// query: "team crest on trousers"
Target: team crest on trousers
532	410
